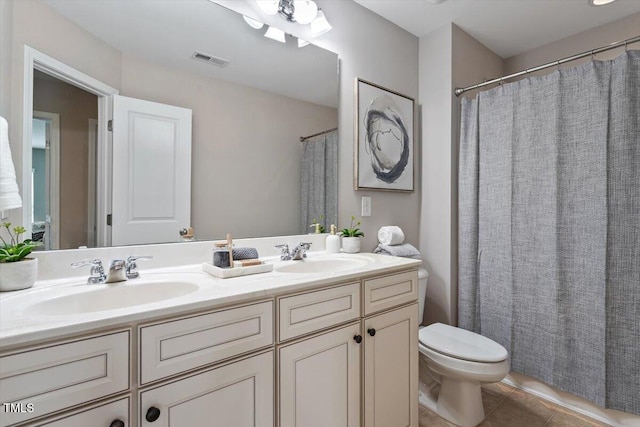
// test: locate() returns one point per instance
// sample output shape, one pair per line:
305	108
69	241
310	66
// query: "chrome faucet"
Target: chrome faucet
300	251
97	270
119	270
296	254
132	266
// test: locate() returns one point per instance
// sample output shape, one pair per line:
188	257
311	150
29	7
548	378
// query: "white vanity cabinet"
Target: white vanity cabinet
364	373
341	355
390	379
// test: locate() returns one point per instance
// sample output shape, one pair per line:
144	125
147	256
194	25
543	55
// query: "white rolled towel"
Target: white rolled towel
390	235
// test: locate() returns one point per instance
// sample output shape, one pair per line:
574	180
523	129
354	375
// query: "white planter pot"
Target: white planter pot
18	275
351	245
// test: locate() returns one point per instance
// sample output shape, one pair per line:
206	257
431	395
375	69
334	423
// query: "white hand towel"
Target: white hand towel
390	235
9	196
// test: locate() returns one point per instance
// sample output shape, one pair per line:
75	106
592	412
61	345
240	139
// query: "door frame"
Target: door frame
52	236
36	60
92	188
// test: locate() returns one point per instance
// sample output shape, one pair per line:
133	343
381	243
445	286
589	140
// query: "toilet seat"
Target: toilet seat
461	344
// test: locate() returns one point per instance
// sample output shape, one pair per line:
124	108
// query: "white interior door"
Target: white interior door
151	198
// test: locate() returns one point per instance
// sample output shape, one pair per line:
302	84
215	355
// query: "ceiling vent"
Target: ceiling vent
213	60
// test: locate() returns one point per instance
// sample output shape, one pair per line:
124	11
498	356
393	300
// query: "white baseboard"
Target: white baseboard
571	401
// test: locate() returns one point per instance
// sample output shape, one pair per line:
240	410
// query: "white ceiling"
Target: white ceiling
508	27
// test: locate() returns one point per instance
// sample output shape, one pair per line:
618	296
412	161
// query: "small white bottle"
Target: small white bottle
333	241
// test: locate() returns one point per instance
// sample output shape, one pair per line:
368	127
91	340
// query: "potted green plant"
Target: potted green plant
16	270
352	237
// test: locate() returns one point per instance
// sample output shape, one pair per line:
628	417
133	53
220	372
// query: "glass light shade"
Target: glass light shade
320	25
600	2
275	34
305	11
252	22
270	7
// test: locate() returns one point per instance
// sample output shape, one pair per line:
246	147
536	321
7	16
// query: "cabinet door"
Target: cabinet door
114	414
391	369
320	380
239	394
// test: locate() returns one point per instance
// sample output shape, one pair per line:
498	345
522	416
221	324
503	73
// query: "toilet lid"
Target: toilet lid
461	344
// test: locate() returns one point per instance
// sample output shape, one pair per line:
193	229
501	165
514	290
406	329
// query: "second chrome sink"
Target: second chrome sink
111	297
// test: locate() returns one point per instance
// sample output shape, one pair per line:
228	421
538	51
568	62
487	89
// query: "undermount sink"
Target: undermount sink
324	265
111	297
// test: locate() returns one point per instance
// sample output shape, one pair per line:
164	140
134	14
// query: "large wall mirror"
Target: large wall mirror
253	101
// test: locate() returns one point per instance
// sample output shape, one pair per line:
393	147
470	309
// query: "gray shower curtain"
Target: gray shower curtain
319	181
549	227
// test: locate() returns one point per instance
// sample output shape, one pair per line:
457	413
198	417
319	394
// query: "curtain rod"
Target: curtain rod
460	91
302	138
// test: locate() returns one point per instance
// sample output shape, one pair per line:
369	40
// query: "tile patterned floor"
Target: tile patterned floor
505	406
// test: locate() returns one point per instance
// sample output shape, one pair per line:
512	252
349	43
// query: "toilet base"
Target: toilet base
459	402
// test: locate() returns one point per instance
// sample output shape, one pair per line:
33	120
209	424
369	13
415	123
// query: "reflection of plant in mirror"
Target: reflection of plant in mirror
318	224
15	250
353	230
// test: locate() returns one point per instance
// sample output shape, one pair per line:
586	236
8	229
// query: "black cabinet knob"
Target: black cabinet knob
117	423
371	332
153	414
358	338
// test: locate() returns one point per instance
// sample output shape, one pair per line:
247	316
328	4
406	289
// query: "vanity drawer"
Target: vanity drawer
180	345
102	415
389	291
301	314
56	377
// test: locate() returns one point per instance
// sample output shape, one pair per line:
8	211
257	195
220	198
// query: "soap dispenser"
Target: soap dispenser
333	241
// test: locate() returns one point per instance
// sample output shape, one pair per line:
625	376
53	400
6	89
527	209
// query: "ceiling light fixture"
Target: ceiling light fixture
600	2
303	12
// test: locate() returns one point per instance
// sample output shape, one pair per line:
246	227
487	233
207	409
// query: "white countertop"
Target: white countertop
20	326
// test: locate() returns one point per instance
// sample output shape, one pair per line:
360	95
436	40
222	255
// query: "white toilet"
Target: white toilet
453	364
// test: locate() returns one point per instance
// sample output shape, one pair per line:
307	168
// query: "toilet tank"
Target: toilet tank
423	276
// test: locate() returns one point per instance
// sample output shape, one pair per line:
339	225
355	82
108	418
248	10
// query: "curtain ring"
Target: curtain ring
500	82
626	44
558	64
592	57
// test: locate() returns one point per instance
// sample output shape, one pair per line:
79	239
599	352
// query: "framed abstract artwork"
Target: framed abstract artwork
384	146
